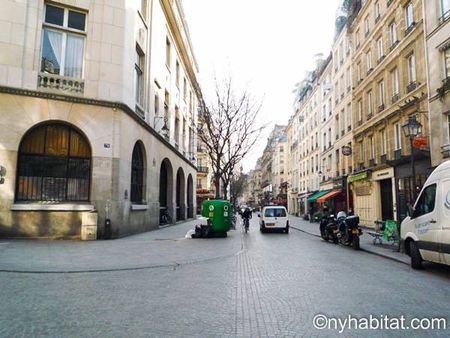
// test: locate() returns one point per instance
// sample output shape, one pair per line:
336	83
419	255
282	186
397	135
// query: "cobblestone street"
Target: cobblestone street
161	284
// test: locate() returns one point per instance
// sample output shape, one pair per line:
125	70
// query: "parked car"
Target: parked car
425	233
274	217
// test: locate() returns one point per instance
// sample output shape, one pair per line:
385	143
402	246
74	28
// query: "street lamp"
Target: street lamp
412	128
164	128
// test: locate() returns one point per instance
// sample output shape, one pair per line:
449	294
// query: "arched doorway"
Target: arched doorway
190	197
165	190
180	195
54	165
137	188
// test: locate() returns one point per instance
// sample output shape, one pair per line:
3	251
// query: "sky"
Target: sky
264	46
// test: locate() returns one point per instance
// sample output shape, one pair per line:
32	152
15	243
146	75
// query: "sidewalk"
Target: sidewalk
366	241
165	247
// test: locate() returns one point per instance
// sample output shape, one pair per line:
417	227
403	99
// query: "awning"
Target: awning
327	196
318	194
303	195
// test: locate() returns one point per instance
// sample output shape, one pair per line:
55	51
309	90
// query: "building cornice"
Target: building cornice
95	102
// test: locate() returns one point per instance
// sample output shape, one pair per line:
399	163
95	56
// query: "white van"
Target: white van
425	233
274	217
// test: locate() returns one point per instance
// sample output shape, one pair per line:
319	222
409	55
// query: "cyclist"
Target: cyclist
246	215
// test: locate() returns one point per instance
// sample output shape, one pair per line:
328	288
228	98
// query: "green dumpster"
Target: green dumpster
219	213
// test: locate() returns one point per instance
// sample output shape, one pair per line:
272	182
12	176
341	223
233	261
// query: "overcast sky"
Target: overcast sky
266	46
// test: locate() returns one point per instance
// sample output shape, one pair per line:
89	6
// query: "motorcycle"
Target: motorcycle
349	230
329	229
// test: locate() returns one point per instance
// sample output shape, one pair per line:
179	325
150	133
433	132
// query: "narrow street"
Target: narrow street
161	284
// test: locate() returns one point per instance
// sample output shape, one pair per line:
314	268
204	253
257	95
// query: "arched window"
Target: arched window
54	165
137	174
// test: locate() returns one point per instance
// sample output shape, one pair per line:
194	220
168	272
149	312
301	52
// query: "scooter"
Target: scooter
349	230
329	229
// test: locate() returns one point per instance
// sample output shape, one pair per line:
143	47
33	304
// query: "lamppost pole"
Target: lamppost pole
413	168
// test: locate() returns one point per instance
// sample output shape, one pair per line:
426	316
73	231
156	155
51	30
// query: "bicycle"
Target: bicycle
164	217
246	224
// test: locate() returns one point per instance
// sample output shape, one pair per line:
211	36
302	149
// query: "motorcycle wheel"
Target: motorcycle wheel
335	240
324	234
355	242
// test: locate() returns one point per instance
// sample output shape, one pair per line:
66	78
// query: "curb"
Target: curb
376	253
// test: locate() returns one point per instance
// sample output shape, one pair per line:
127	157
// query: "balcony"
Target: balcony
395	98
397	154
381	107
62	84
393	45
348	89
342	96
360	123
389	2
342	132
410	28
349	128
372	162
369	116
411	86
380	59
383	159
445	151
377	18
360	166
369	71
366	34
444	17
202	169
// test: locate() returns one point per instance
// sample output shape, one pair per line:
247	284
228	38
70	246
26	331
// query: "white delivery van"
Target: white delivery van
274	217
425	234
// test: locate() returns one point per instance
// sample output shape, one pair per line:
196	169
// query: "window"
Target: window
63	52
448	130
137	174
372	148
358	72
143	8
447	62
156	105
168	52
383	145
369	61
380	53
409	17
166	107
411	68
369	103
393	33
177	74
381	93
275	212
366	26
426	202
397	136
54	165
377	10
395	84
139	78
445	9
357	39
360	110
184	89
361	152
177	127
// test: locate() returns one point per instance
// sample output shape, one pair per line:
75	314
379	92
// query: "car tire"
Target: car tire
262	230
416	258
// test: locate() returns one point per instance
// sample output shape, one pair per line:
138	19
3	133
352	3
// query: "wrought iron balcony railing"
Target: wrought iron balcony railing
202	169
411	86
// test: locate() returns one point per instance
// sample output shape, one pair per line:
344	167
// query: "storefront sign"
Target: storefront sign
383	174
363	190
357	177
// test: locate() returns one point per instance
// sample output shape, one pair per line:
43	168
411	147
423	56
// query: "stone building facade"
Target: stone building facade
98	103
390	87
437	44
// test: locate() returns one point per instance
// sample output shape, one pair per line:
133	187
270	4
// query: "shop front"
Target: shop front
385	184
365	197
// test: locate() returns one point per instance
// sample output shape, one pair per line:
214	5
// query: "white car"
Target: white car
425	234
274	217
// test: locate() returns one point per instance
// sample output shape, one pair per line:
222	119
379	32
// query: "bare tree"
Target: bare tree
228	131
